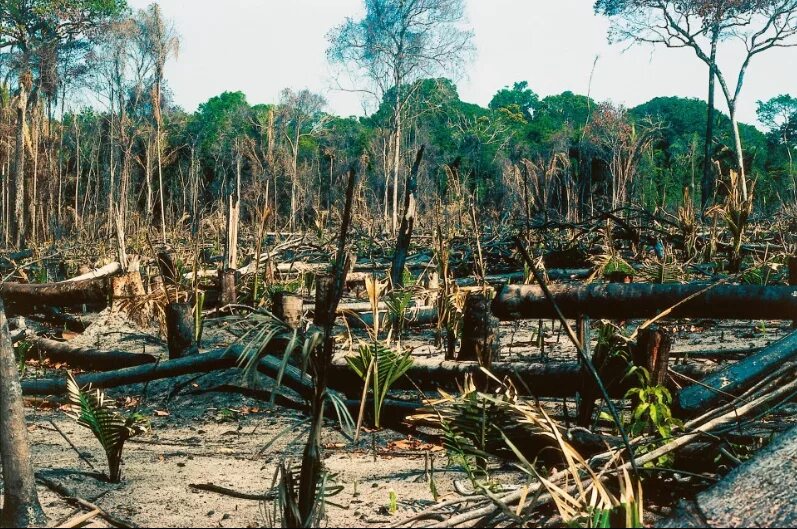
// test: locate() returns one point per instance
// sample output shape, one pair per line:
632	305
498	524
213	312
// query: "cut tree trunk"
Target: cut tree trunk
25	297
638	300
289	308
480	331
733	380
180	330
167	268
21	506
87	357
652	352
229	295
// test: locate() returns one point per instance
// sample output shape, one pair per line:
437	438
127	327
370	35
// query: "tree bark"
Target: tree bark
480	334
736	378
18	228
180	330
24	297
21	506
638	300
289	308
87	357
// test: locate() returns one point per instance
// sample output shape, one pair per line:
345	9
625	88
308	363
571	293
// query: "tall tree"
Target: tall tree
396	43
701	25
779	115
300	113
160	41
31	29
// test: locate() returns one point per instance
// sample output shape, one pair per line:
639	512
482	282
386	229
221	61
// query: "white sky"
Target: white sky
262	46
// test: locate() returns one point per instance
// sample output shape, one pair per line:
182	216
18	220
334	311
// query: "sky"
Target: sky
262	46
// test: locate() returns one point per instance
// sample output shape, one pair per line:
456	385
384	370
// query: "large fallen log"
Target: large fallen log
637	300
553	379
733	380
25	297
87	357
104	271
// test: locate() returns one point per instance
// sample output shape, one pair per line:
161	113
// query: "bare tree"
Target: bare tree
159	39
701	25
396	43
300	115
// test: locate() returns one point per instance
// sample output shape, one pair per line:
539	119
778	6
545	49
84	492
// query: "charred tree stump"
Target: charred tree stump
21	506
180	330
167	268
289	308
480	331
652	352
407	223
229	295
324	287
611	368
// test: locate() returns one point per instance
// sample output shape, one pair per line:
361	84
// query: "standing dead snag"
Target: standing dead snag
21	506
407	223
328	293
180	330
652	352
480	335
289	308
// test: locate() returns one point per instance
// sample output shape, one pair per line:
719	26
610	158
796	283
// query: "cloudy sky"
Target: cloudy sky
262	46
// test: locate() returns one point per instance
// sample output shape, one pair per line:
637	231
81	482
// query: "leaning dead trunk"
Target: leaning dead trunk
21	506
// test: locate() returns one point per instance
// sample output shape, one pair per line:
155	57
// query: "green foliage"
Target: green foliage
385	366
93	410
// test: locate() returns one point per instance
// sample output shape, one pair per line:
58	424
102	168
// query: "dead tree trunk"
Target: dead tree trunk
87	357
652	352
407	223
638	300
25	297
736	378
289	308
229	294
480	336
21	506
180	330
167	268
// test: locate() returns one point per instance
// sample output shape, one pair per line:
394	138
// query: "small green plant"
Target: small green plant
652	413
393	502
383	367
93	410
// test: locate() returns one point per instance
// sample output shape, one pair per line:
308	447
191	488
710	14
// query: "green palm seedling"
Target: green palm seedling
383	367
93	410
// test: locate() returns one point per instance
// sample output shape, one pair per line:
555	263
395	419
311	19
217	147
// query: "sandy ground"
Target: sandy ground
236	442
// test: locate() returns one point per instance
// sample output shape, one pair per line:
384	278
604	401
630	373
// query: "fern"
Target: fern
93	410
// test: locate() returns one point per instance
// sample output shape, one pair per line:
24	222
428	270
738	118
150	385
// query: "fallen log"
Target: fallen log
24	297
553	379
413	316
638	300
733	380
104	271
87	357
